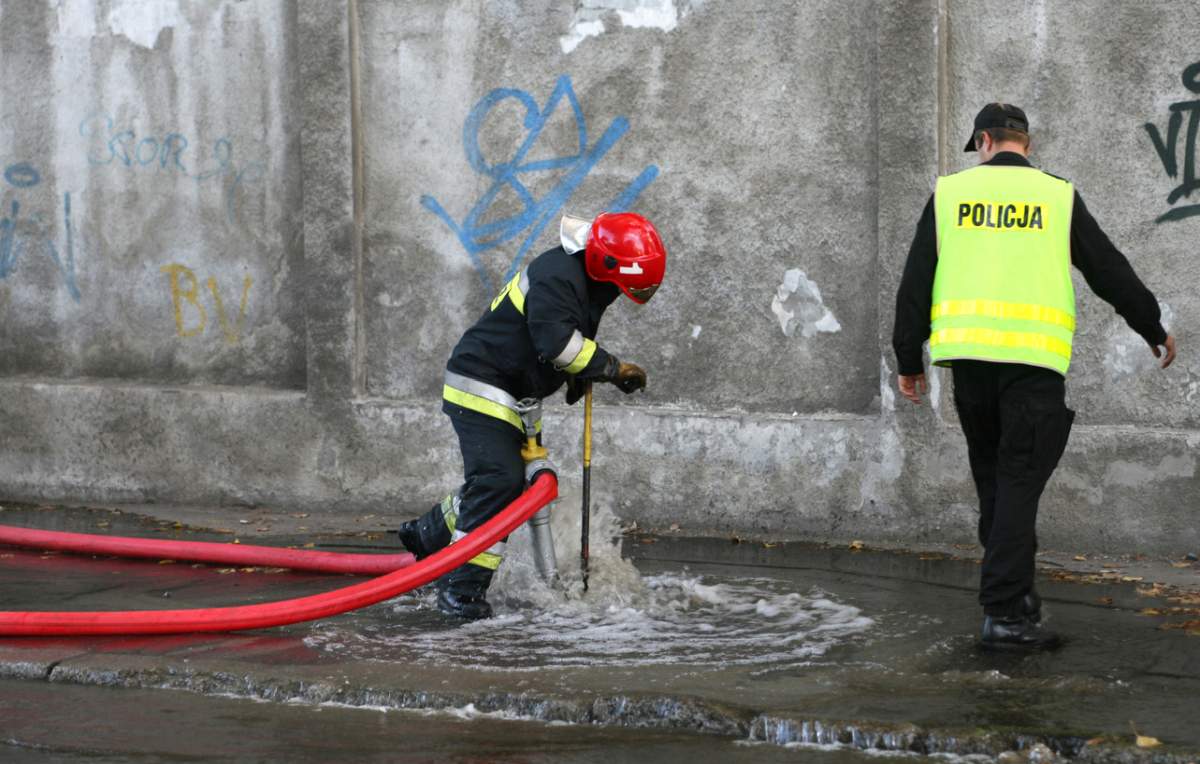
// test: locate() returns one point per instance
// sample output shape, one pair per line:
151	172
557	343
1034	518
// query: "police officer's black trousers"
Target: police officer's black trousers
1016	423
493	476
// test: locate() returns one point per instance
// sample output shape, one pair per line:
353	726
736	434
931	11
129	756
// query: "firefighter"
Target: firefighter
538	334
988	284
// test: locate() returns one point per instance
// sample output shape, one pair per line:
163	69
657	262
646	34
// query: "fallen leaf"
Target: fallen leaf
166	562
1080	558
226	571
647	540
1191	627
1145	741
1111	565
1105	600
856	545
1132	579
262	529
1181	565
300	514
769	545
309	545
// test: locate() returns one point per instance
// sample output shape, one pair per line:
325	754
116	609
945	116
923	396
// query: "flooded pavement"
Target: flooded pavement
763	645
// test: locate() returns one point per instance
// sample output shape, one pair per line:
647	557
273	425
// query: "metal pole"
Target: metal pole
587	483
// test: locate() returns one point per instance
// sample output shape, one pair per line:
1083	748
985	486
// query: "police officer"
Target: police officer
988	283
538	334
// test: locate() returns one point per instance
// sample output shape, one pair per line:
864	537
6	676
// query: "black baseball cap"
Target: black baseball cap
998	115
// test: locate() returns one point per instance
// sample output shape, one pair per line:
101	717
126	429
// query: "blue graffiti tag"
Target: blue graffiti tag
19	236
535	214
166	153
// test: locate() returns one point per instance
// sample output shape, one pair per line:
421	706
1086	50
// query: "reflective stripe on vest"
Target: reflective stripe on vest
1003	291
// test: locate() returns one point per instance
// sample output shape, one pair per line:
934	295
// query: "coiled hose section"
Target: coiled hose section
541	492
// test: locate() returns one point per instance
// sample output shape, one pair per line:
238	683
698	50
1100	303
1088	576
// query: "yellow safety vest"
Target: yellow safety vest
1003	288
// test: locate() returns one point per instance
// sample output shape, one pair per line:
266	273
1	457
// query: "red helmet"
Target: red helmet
623	248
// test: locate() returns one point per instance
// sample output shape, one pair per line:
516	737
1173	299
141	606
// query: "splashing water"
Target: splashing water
624	619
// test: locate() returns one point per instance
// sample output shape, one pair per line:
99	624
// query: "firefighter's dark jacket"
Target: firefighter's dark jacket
514	351
1107	272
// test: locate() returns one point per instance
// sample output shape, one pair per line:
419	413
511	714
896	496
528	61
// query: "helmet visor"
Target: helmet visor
644	294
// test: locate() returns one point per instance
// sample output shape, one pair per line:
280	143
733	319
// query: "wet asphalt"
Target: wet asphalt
683	648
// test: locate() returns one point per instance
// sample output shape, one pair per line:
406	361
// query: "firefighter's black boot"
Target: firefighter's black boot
1018	632
462	592
430	532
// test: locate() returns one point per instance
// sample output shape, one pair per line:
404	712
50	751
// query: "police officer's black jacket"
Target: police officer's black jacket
515	351
1105	269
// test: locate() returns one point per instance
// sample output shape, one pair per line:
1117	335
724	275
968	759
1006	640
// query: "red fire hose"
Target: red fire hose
542	491
205	551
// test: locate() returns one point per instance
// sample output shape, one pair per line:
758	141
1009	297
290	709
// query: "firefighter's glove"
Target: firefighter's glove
627	377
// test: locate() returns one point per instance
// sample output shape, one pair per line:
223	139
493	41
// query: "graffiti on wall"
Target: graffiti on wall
191	317
120	146
1179	161
516	173
25	233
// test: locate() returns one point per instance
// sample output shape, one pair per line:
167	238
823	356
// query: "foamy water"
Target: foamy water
624	619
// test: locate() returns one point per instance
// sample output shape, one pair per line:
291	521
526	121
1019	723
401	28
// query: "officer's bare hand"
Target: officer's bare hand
1170	351
913	386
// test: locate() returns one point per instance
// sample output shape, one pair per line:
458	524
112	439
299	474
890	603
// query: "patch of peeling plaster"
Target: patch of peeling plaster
76	18
588	21
798	302
141	21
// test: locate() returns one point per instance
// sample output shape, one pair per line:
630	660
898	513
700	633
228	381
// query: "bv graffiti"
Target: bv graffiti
191	317
24	234
121	146
1180	161
515	172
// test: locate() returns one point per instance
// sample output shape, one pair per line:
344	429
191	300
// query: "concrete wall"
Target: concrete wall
283	214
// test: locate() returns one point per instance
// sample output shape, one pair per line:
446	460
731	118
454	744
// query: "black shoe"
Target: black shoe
1031	606
462	592
1016	633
